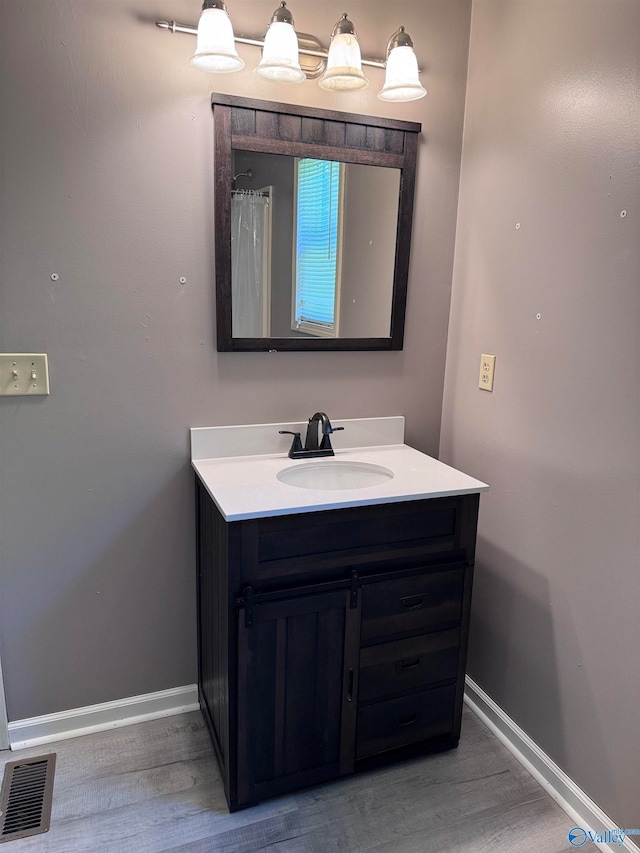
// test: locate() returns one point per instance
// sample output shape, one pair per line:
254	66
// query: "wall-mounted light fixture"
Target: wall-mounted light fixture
215	48
290	57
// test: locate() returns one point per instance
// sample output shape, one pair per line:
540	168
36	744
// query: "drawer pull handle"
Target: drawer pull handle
407	721
412	602
350	686
409	663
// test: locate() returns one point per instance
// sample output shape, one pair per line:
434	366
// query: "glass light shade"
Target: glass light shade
401	81
279	61
215	47
344	71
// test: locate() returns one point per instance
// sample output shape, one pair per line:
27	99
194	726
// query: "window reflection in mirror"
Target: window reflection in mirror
313	247
319	236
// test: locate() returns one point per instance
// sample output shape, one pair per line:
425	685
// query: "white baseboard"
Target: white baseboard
581	809
99	718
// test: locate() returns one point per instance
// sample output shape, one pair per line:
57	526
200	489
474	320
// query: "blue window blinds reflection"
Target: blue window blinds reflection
318	241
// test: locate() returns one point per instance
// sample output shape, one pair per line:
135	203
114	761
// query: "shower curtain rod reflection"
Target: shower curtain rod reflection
258	193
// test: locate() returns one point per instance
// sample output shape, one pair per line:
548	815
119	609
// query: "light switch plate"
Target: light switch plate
487	368
24	374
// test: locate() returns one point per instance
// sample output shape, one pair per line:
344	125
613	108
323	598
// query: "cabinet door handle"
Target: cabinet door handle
350	686
412	602
409	663
407	721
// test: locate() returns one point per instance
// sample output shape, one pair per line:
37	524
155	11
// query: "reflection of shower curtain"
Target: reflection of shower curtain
249	255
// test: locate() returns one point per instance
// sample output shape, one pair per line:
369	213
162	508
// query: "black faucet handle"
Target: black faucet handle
325	444
296	445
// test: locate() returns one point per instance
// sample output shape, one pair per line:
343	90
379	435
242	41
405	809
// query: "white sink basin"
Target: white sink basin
335	474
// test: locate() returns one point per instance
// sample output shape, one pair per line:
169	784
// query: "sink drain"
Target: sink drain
25	800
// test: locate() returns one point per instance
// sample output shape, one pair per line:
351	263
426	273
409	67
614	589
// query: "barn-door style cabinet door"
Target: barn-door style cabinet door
298	660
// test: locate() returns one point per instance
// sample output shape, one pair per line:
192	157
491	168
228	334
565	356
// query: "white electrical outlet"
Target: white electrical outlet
487	368
24	374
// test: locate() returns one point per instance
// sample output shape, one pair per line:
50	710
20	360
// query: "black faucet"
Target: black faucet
313	445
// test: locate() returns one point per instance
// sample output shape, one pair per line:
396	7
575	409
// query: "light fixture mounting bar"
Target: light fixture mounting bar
321	54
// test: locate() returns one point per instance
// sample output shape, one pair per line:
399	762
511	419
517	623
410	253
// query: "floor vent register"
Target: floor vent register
25	799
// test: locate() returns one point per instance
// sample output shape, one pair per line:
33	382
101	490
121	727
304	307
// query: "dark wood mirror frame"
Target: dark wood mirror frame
263	126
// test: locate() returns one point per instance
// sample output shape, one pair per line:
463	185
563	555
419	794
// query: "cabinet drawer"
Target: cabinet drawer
372	529
398	722
266	552
407	665
410	604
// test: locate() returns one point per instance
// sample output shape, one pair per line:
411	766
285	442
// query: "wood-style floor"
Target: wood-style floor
156	786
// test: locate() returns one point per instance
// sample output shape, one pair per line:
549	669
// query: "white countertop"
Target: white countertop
246	486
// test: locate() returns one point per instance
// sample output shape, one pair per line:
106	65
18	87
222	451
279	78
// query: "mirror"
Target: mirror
312	247
312	227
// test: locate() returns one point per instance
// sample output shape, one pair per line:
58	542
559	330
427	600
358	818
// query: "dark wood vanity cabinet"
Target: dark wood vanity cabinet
330	642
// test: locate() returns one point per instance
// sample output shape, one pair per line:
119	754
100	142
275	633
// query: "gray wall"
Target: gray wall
368	255
107	180
551	142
